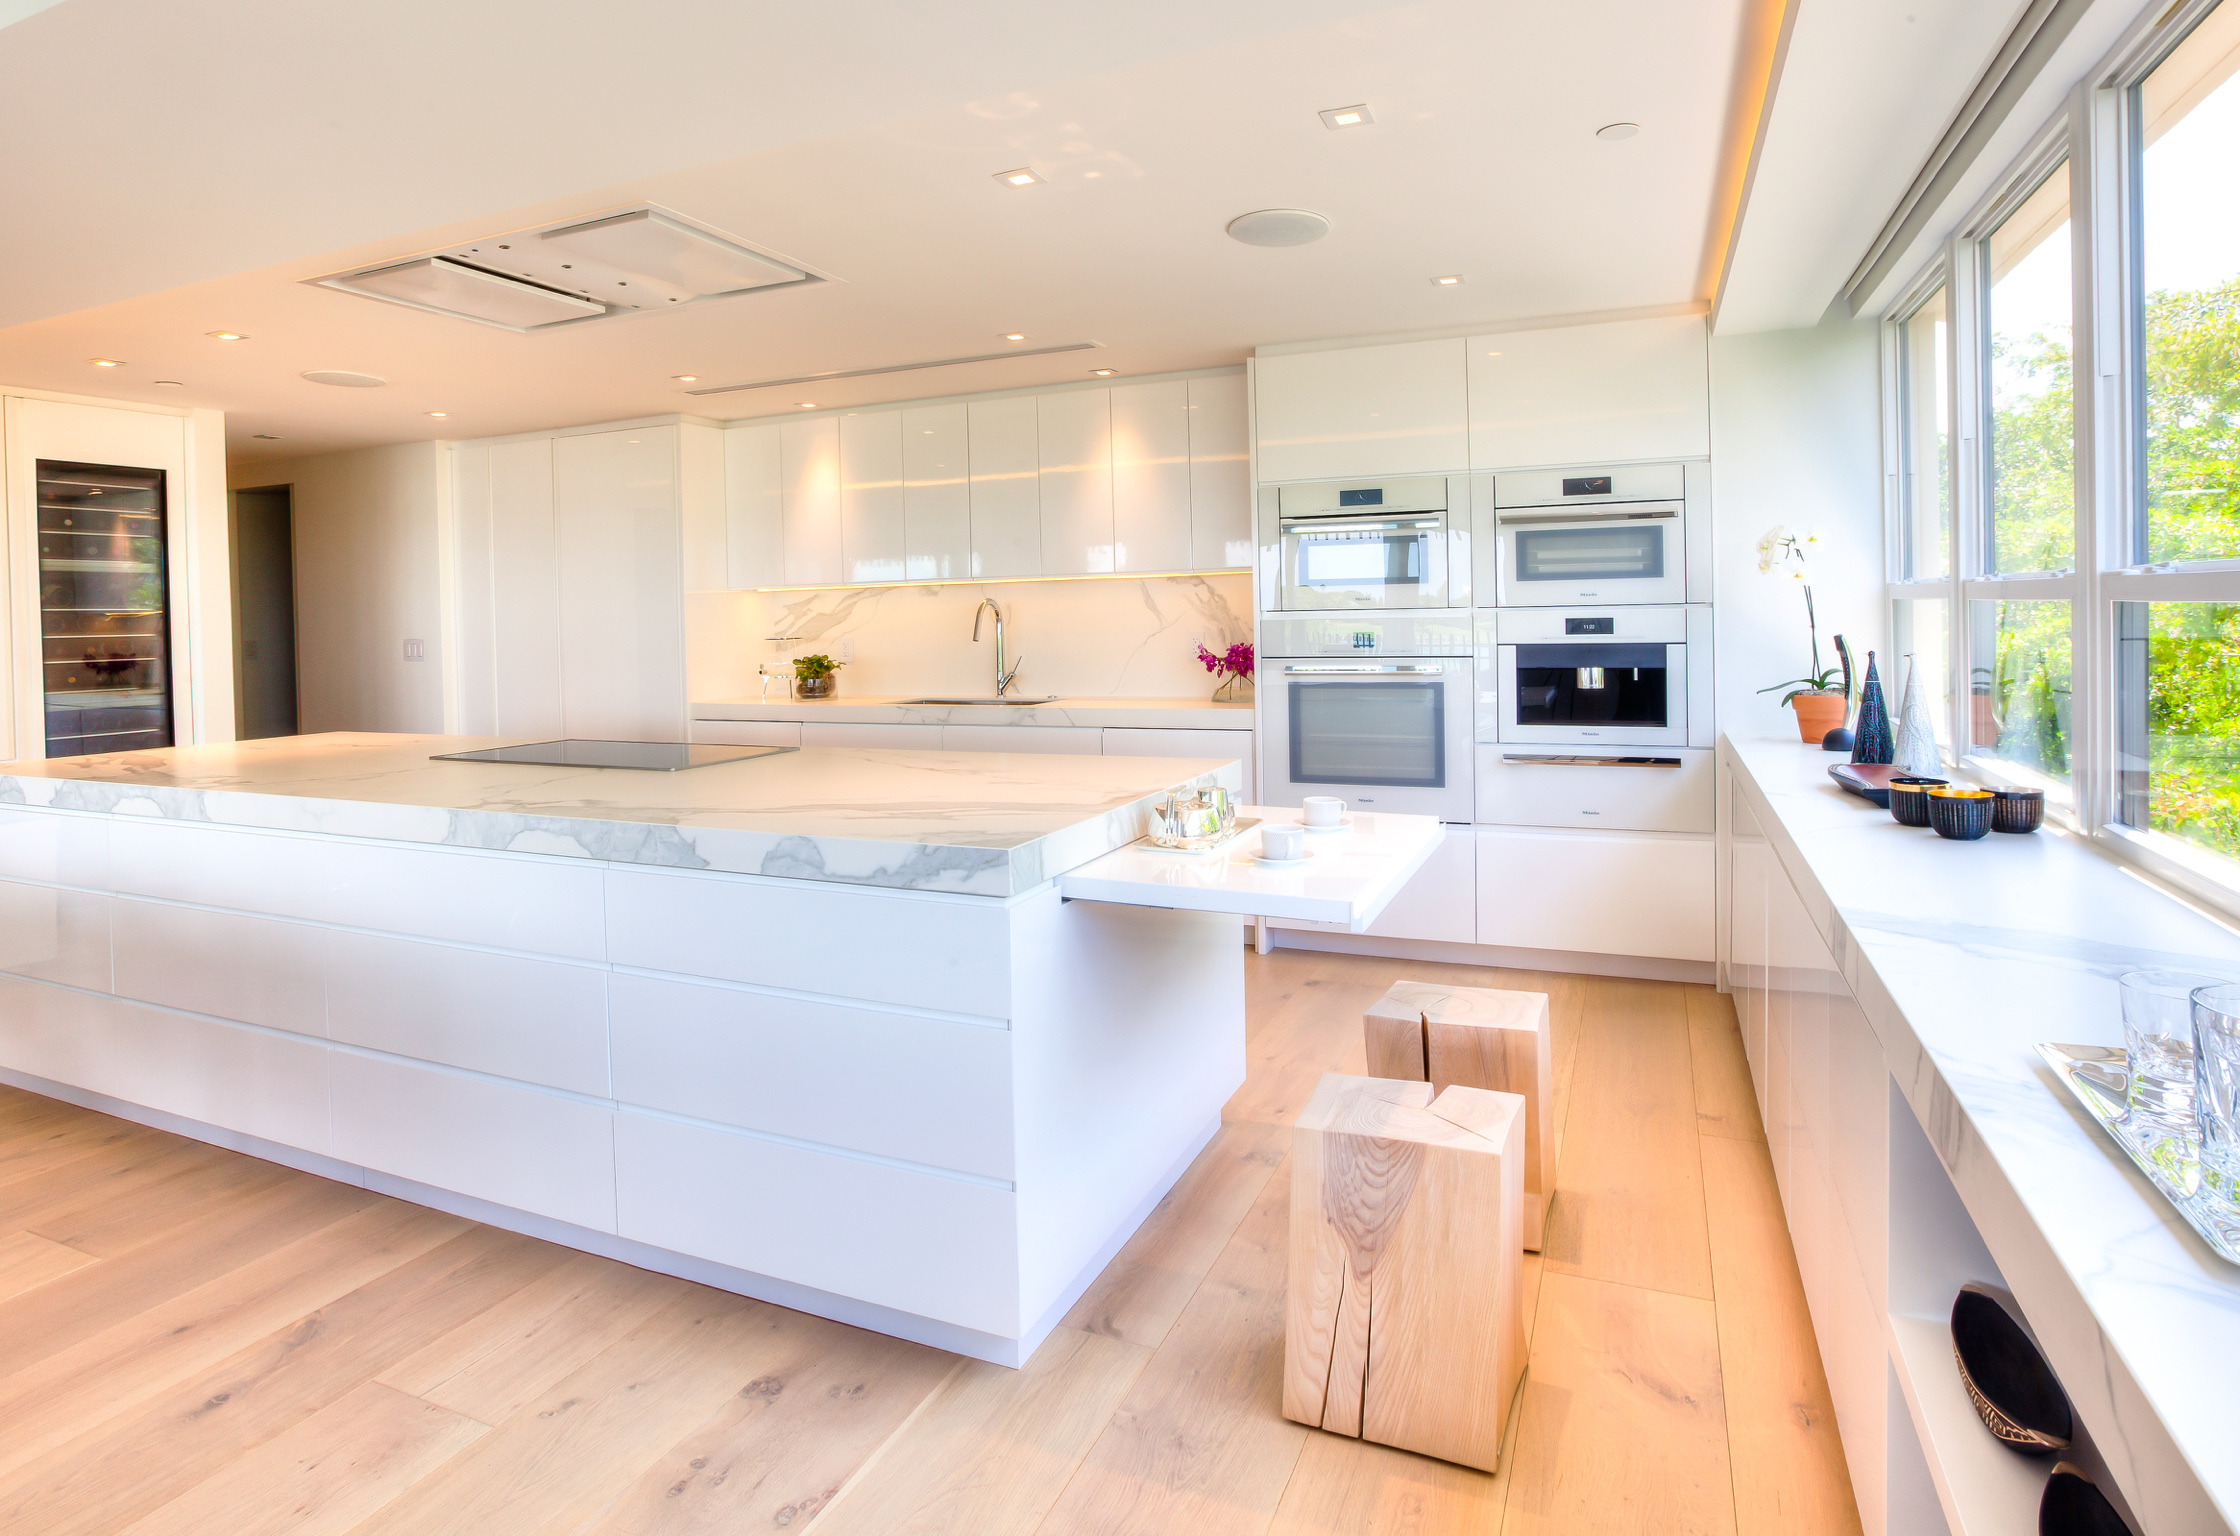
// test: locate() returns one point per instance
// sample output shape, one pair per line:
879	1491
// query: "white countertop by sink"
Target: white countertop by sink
1964	956
1199	714
981	823
1347	877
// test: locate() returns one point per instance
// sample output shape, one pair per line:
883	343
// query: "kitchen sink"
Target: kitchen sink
1046	699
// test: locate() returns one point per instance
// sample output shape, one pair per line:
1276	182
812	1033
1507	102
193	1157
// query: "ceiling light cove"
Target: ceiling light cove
865	373
1022	177
1355	116
1611	133
343	378
226	335
1278	227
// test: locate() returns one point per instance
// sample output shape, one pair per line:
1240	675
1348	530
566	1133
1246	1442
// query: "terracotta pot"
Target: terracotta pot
1817	714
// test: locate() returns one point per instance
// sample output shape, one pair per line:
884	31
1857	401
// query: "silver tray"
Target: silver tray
1210	845
2099	1075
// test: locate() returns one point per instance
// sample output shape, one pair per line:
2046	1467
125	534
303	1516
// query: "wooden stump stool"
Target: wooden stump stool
1478	1038
1404	1321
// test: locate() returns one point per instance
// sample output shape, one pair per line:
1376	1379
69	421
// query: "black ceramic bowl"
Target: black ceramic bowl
2072	1506
2015	1392
1909	799
1958	812
2015	809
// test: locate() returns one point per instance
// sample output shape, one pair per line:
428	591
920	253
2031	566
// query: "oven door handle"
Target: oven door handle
1581	760
1582	515
1356	669
1349	525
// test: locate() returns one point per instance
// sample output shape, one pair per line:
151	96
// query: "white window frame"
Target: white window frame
2093	133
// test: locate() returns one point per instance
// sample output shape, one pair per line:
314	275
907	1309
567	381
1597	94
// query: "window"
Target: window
1925	489
2029	413
1920	637
2187	123
2018	685
2178	671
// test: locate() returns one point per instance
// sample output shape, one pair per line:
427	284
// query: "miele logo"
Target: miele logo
1364	639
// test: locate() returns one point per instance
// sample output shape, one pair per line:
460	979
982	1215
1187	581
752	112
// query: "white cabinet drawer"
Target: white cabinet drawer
923	738
55	934
536	1021
1598	893
940	1247
1079	740
531	1150
257	970
923	1090
749	733
1600	797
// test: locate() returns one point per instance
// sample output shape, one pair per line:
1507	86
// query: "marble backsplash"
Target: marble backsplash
1118	637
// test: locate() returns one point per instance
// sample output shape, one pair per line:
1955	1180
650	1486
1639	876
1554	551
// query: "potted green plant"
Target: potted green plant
813	677
1820	700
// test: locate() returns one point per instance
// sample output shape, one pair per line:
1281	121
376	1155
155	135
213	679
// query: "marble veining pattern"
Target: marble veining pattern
1964	956
986	824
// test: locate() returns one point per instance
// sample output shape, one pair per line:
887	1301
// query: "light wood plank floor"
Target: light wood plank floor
195	1343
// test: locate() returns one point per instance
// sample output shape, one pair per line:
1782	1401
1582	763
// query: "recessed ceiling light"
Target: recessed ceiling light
1104	373
1022	177
439	413
268	437
1615	131
686	378
170	384
1014	336
226	335
1278	226
1451	280
1346	117
807	405
105	362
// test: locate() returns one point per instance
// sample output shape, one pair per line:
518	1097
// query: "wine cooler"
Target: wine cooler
104	608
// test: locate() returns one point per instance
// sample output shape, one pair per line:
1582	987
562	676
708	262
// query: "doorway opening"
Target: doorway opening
264	613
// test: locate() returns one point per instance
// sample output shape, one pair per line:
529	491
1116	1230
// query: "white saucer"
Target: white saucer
1261	858
1341	824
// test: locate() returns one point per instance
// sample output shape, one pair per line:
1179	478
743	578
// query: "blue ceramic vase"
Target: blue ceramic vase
1871	738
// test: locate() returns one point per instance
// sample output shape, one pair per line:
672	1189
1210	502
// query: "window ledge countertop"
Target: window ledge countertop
1964	956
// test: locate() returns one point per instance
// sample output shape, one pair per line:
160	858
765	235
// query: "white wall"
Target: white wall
367	580
1795	440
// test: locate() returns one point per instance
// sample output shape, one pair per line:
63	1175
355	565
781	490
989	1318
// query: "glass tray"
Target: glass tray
2098	1076
1202	844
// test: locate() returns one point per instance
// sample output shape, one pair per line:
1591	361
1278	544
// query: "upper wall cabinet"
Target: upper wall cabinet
1400	409
1073	482
1588	394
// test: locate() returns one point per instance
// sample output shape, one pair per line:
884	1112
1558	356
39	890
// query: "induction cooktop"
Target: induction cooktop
576	752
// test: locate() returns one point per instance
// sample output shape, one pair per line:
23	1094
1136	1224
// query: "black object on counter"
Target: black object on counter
1837	740
1871	740
1909	798
1959	811
2014	1391
2073	1506
2015	808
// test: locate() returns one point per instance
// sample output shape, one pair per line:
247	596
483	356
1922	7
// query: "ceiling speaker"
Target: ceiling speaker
1279	226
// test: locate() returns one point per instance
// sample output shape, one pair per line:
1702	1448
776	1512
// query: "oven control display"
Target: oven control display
1604	626
1587	485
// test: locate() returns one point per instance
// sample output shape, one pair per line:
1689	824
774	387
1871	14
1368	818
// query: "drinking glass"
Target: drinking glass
2216	1065
2158	1036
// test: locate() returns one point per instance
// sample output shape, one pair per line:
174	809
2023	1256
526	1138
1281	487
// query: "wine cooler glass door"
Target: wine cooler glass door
104	608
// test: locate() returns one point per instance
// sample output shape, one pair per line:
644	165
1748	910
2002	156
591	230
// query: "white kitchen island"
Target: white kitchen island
817	1027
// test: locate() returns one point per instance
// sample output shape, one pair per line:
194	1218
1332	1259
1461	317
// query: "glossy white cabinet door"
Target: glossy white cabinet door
922	738
524	590
936	494
809	468
1151	476
621	585
1006	500
754	506
1070	740
1220	475
1590	394
871	527
749	733
1597	893
1141	741
1074	454
1401	409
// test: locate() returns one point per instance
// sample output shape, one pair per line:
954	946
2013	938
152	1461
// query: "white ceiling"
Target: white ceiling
197	160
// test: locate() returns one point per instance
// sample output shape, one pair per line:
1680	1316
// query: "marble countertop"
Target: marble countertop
1964	956
977	823
1348	877
896	709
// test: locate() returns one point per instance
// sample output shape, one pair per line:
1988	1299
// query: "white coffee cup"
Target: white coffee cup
1282	840
1322	810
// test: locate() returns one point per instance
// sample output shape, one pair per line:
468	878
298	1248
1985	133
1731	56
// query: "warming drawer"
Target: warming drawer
1626	789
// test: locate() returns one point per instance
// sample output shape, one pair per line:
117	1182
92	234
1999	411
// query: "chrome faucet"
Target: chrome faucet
1003	678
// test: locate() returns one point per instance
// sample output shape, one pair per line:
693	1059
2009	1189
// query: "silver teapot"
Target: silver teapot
1198	819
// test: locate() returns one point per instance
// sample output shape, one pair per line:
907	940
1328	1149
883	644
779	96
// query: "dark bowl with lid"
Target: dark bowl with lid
1909	798
2017	808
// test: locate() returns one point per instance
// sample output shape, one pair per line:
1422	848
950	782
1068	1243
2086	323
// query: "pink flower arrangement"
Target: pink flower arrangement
1234	662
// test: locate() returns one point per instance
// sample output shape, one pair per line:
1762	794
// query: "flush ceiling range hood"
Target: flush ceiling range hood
637	261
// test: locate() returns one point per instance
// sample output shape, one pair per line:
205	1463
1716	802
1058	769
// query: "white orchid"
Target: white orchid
1788	554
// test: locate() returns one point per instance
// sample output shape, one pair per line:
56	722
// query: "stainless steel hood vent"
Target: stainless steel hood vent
632	262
